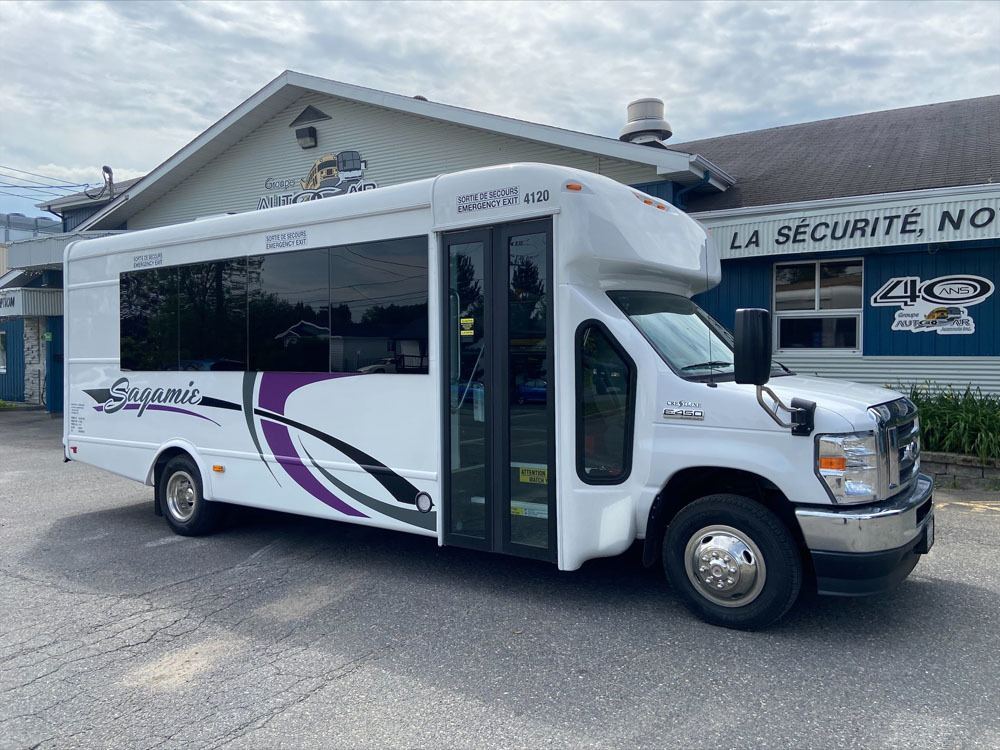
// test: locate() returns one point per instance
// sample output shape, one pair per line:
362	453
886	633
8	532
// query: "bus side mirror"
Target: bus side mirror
753	346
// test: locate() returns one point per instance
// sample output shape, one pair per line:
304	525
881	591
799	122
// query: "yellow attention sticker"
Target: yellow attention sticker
467	326
534	476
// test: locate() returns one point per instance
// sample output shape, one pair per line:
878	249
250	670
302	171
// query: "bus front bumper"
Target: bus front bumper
857	551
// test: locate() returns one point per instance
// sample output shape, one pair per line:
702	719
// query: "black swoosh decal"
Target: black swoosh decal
218	403
399	487
248	381
407	516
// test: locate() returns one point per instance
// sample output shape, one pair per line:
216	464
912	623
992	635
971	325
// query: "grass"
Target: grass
958	421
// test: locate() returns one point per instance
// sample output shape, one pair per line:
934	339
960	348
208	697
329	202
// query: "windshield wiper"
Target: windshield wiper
703	365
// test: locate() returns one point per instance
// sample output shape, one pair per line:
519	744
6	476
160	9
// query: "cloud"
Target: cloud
129	83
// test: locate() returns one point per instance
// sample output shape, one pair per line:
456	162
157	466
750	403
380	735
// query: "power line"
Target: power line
36	182
25	171
14	195
44	188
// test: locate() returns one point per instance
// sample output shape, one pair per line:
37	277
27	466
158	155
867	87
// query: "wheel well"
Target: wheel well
690	484
158	467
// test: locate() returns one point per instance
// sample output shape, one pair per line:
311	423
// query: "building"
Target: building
874	239
909	185
20	360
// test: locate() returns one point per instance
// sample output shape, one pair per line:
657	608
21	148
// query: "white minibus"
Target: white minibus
505	359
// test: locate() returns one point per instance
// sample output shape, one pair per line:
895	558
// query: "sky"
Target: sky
127	84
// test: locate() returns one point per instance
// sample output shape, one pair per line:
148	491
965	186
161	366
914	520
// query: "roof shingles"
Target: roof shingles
915	148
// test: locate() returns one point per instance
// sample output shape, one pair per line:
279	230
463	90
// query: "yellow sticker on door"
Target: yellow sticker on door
534	476
468	326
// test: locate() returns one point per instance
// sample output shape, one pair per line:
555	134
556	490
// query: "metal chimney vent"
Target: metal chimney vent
645	123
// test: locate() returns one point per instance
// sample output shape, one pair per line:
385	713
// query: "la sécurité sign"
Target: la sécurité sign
915	222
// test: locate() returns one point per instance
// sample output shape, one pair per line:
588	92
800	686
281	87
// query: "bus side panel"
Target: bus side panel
346	446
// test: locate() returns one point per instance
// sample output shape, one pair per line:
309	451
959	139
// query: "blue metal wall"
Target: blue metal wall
12	381
881	340
747	283
54	365
664	190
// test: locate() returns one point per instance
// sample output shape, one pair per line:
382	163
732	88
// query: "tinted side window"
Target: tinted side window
378	307
289	326
213	315
148	322
605	402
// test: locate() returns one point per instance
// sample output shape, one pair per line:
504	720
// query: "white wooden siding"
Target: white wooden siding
397	147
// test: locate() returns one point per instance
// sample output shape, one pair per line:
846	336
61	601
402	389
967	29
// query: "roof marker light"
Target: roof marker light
648	202
661	207
573	186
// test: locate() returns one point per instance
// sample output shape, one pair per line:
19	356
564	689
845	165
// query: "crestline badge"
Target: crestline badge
684	410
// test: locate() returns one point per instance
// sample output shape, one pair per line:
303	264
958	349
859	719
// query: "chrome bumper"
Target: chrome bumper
873	528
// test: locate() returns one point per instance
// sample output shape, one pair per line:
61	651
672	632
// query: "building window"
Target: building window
605	406
817	305
3	352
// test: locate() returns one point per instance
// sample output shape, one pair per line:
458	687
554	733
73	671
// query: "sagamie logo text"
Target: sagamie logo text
121	395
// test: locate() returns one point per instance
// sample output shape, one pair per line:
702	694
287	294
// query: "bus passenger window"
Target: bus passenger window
605	402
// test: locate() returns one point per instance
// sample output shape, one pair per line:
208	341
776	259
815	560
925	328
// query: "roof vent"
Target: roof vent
646	124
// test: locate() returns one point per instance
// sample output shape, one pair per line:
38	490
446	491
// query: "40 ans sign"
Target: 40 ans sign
939	305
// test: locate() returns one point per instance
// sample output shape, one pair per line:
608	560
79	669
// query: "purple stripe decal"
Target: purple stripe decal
158	407
275	387
280	443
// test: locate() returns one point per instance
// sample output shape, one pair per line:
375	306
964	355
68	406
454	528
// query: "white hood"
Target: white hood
848	400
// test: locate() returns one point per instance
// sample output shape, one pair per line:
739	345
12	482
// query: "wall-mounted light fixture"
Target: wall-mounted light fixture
306	137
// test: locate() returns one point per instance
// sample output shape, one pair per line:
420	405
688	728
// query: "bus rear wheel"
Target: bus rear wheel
179	492
733	561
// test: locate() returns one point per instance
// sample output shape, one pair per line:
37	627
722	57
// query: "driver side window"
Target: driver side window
605	406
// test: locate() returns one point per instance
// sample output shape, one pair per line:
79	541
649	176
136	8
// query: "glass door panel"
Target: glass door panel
499	415
467	414
529	372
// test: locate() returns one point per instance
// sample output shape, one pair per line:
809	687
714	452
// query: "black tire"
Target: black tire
759	547
188	512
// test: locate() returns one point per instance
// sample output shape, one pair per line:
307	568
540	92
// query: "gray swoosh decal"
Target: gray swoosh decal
407	516
248	381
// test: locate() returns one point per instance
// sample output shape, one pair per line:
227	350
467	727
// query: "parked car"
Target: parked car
532	392
462	394
386	364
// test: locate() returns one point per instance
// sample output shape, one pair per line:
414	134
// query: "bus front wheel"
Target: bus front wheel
733	561
179	492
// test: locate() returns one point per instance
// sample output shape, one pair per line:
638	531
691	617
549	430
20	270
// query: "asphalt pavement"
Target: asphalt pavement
282	631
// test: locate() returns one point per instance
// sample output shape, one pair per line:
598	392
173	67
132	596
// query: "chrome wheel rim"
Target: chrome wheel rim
725	566
181	496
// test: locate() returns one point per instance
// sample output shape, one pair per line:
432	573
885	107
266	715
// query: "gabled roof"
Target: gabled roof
671	164
81	199
914	148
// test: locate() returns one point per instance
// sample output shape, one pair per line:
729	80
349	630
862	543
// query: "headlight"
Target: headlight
849	465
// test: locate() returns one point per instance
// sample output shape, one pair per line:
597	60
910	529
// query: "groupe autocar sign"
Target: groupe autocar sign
940	304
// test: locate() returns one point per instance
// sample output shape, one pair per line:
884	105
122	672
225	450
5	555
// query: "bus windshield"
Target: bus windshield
687	338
